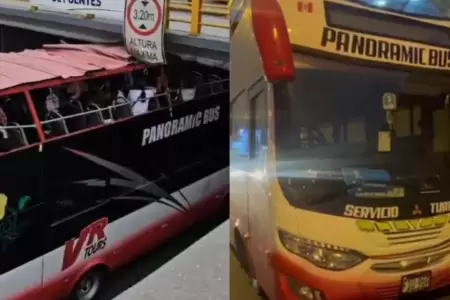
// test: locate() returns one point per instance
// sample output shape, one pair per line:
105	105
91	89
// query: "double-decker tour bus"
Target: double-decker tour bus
340	140
90	182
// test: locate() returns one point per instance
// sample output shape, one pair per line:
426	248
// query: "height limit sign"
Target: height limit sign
144	30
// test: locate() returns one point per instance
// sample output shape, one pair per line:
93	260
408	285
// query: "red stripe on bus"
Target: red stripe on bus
272	36
125	251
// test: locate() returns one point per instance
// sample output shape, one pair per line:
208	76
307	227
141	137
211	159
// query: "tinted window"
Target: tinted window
434	9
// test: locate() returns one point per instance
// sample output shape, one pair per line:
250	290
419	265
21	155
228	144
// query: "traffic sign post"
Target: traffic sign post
144	29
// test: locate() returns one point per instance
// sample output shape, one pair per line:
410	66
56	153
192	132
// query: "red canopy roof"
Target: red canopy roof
58	61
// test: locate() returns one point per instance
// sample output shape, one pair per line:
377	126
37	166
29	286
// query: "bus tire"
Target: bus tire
90	284
240	251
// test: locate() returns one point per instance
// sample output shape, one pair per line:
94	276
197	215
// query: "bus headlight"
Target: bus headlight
320	254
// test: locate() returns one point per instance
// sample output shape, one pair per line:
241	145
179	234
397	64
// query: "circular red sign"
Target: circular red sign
148	31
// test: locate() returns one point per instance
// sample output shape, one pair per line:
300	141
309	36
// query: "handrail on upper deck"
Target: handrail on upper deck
213	87
211	92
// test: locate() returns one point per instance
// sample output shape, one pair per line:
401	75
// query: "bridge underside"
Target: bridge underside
210	50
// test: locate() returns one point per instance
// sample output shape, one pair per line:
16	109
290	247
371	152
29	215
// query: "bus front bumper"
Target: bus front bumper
297	279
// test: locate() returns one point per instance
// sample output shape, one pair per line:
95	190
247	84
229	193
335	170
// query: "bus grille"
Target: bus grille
413	237
386	292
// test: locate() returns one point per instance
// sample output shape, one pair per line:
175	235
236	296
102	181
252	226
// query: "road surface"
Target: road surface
201	272
240	288
141	268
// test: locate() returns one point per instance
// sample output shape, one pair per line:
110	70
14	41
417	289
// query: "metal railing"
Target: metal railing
55	124
107	115
196	15
199	9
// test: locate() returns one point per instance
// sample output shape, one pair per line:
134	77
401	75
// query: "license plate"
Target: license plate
416	283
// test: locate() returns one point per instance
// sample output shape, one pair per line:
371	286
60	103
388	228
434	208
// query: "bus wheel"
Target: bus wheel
88	288
240	251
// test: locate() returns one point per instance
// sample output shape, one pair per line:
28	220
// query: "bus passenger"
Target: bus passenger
6	142
140	105
74	107
52	102
142	99
119	90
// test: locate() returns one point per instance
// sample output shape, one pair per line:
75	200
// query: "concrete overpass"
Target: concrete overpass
194	30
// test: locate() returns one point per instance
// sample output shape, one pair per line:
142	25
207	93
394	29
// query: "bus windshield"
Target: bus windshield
436	9
334	134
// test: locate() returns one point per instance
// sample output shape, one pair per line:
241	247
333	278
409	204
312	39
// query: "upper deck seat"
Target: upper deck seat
12	138
74	107
6	143
201	85
94	116
17	133
12	108
78	104
216	87
57	125
121	108
153	104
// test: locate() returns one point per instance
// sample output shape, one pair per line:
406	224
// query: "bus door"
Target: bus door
260	205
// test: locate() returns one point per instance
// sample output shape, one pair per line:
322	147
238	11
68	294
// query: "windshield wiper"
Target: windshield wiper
407	179
401	182
342	192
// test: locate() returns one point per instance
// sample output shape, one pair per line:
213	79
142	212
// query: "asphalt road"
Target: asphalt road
133	273
201	272
240	288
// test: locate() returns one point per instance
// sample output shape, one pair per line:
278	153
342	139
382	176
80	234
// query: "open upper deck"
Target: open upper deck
35	113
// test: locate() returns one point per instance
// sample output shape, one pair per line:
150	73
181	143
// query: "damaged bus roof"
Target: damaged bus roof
59	64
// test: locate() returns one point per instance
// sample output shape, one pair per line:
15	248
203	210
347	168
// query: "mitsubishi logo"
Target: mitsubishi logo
412	264
416	210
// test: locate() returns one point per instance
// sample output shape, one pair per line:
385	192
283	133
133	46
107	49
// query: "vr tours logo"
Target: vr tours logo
91	240
416	211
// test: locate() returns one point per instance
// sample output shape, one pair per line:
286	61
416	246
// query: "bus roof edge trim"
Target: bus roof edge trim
272	36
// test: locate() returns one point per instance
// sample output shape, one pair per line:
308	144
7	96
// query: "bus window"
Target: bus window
68	109
240	125
259	121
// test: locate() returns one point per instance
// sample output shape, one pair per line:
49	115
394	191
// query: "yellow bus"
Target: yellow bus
339	149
